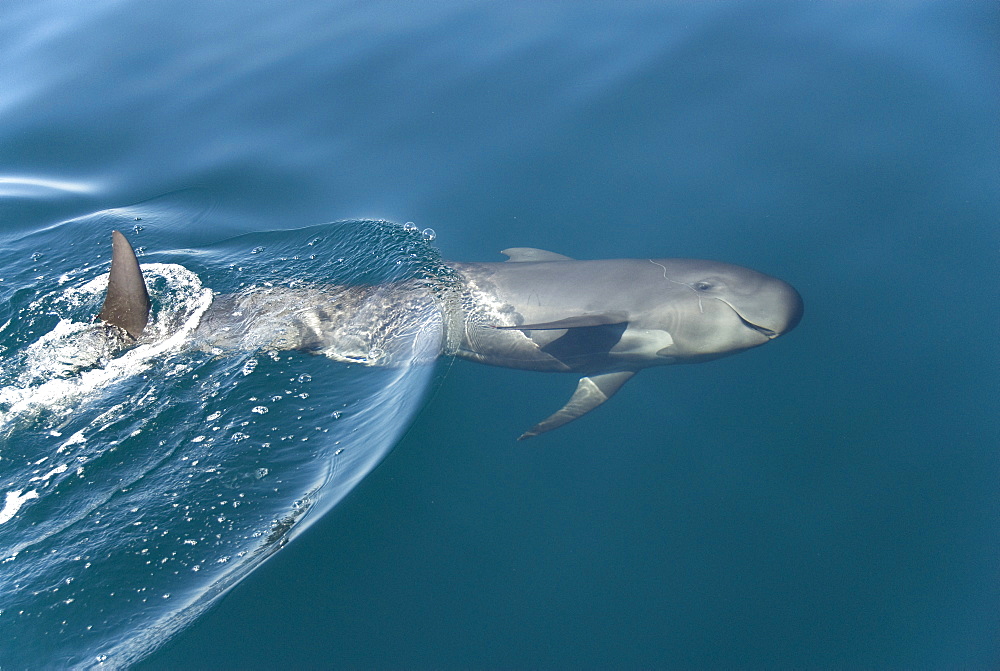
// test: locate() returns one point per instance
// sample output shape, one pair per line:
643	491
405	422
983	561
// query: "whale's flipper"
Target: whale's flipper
590	393
127	302
581	321
523	254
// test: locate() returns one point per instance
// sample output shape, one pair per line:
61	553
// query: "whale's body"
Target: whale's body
602	319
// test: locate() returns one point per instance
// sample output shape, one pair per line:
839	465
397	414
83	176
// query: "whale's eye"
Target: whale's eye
704	285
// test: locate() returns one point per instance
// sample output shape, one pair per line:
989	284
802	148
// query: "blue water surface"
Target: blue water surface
142	484
827	501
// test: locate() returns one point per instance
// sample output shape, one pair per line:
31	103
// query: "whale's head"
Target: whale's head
712	309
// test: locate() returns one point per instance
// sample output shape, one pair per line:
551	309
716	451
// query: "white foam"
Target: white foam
14	500
55	471
60	367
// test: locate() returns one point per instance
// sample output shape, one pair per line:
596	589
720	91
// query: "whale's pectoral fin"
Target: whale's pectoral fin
590	393
126	304
585	335
524	254
580	321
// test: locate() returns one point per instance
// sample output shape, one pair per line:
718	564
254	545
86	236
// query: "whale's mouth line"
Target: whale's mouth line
757	327
763	330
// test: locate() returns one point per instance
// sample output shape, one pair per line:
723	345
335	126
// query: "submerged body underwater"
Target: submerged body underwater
183	347
827	500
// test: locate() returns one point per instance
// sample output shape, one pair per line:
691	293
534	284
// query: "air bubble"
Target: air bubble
409	227
428	234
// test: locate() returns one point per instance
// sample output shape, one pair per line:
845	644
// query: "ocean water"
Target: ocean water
827	501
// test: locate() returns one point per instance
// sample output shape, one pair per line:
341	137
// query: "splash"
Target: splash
140	485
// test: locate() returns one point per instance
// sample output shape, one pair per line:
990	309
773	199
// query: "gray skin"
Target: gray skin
608	319
604	320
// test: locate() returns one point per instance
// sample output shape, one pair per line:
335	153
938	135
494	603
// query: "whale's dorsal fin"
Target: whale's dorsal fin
523	254
590	393
126	304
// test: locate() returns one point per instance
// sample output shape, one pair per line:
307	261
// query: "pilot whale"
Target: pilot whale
603	320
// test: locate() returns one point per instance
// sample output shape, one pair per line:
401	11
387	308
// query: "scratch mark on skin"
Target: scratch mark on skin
701	308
